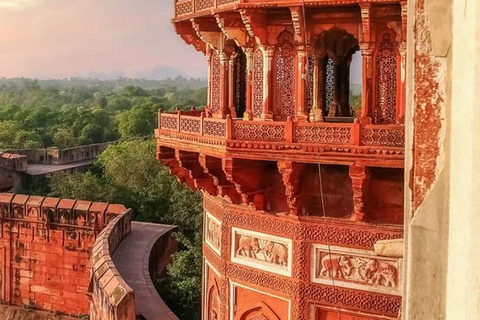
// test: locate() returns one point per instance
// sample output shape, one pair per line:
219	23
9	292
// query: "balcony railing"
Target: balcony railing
183	8
281	132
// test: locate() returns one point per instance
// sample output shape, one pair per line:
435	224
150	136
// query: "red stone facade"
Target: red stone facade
298	189
45	247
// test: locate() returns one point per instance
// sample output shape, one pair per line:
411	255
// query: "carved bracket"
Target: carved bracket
360	178
366	13
291	175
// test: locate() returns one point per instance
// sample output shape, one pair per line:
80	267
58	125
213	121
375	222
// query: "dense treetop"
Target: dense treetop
66	113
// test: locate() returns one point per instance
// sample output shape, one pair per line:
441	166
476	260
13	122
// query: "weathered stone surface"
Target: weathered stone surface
19	313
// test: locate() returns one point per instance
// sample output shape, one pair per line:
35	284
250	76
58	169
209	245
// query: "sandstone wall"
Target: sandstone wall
45	246
112	298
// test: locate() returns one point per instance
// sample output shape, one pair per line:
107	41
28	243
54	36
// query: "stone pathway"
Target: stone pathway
131	260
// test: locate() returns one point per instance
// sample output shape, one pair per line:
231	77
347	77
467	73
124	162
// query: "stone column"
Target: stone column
301	84
224	84
316	114
231	83
208	55
402	89
268	82
248	115
367	75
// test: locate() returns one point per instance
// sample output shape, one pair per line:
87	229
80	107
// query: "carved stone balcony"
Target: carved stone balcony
185	9
339	143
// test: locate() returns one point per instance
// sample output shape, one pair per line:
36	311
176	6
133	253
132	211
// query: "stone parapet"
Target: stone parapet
111	297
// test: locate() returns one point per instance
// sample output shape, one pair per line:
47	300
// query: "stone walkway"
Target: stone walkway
131	260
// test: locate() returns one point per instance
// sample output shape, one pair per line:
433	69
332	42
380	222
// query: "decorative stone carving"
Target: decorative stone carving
213	233
262	251
358	269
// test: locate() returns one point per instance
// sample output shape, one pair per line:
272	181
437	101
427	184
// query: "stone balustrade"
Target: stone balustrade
312	139
112	298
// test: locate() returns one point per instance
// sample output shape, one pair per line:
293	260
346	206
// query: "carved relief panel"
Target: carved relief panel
262	251
356	269
213	232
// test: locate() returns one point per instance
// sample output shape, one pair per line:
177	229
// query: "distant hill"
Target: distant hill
159	72
179	82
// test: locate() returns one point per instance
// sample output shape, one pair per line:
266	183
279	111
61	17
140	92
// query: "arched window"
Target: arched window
257	105
285	58
335	49
215	82
386	79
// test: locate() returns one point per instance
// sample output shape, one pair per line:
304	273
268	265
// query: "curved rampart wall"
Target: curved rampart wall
112	298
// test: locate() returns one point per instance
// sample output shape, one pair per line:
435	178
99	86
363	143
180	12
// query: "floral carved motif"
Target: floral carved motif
214	128
383	137
203	4
215	82
213	233
357	269
257	105
327	134
255	131
386	70
190	125
169	122
183	7
285	56
262	251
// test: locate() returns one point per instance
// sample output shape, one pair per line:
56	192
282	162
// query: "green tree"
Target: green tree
27	140
64	138
128	173
8	131
81	186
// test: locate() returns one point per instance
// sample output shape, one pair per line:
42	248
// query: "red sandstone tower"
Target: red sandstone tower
298	187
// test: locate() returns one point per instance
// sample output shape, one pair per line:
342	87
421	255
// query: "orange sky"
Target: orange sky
63	38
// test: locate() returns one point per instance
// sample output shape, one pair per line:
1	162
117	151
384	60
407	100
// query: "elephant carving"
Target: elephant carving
213	233
381	273
276	253
248	246
336	266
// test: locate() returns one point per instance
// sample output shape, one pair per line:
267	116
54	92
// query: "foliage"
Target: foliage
66	113
128	173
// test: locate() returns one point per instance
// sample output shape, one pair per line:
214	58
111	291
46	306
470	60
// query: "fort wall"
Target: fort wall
45	247
112	297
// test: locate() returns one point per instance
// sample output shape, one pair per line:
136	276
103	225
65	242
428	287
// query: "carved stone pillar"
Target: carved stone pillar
268	82
208	55
224	86
291	175
360	177
316	114
248	115
301	84
231	83
367	82
402	92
